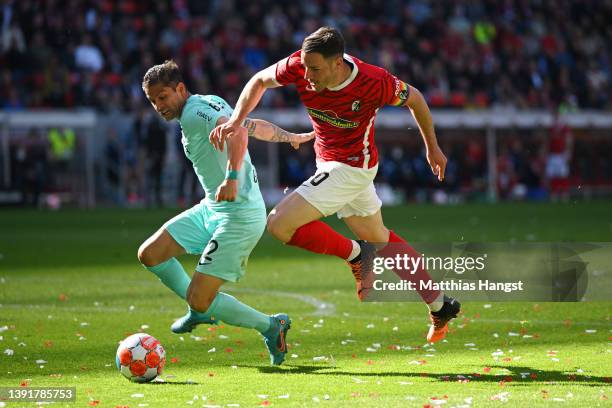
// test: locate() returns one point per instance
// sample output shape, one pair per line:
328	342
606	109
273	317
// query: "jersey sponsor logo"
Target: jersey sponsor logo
332	119
204	116
356	106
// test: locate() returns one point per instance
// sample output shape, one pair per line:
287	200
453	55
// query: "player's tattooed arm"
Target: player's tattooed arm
269	132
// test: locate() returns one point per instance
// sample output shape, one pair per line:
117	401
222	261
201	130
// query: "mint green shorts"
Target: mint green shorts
223	239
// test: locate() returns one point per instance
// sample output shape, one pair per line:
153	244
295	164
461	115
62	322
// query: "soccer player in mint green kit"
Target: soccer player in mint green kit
223	228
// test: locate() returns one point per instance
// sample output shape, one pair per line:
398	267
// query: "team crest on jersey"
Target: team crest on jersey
356	106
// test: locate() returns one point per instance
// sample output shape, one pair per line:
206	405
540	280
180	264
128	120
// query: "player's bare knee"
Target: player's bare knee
145	255
276	228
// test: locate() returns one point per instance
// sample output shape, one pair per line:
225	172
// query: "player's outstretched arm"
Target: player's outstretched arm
420	111
249	98
269	132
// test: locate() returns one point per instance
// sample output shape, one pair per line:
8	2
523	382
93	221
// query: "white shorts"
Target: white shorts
557	166
342	189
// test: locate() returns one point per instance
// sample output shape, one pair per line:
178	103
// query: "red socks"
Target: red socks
318	237
402	247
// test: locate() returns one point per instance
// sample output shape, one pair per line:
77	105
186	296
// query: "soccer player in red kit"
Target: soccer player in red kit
342	95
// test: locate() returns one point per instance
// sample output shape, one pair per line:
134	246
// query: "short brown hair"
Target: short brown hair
167	74
326	41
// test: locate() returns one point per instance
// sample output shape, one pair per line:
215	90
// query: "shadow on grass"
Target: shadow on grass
518	375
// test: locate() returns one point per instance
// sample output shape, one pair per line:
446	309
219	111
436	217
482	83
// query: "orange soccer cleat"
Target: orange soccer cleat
361	267
440	319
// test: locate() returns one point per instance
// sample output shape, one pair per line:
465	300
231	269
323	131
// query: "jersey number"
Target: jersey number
319	178
209	250
214	106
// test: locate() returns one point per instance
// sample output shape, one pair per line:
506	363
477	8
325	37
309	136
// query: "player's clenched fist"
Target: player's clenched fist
227	191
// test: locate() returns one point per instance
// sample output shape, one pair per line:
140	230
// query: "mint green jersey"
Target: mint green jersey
199	117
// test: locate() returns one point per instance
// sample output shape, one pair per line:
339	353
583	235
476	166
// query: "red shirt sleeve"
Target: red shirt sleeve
395	92
290	69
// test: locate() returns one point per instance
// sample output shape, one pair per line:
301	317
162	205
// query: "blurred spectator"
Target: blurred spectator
559	154
87	56
31	167
155	148
114	165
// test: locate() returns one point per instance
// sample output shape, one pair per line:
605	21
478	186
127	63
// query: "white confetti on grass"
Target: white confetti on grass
9	352
502	396
320	358
41	362
370	326
137	395
285	396
212	350
3	329
590	331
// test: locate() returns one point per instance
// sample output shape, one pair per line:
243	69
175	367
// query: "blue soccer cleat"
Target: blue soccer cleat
188	322
276	338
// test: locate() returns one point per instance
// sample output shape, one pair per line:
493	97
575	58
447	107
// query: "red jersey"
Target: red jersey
559	136
343	117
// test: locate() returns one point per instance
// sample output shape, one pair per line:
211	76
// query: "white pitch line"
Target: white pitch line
321	308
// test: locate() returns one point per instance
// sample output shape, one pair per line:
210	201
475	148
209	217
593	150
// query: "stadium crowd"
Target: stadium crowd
513	53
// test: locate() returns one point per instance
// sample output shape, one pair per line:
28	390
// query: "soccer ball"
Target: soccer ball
140	357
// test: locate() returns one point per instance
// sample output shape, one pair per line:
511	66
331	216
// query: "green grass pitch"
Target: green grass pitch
71	288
